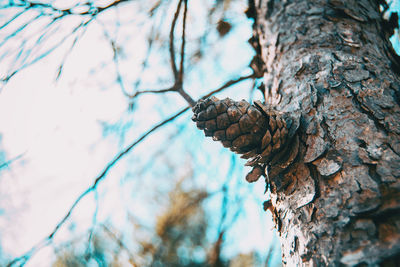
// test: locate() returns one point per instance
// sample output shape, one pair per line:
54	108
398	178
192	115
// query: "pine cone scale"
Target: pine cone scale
211	112
233	114
211	125
202	116
233	131
245	123
253	113
220	107
223	121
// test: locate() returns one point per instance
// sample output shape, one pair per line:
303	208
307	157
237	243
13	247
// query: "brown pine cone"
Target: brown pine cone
251	130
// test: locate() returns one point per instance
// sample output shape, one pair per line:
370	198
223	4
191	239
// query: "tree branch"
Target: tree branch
54	14
171	89
178	76
5	164
120	244
229	83
94	222
91	9
179	82
181	68
171	42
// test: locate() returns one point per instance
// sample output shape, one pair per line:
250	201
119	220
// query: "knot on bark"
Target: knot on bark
261	135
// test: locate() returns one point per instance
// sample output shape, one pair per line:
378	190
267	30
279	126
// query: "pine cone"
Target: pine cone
251	130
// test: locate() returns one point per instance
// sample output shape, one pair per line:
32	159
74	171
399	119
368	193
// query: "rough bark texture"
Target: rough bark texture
331	61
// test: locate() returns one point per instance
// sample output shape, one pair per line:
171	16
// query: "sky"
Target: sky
65	131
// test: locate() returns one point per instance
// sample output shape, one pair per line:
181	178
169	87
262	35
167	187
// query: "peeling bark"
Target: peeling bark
331	62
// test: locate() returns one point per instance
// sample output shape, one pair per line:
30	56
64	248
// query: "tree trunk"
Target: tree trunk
331	62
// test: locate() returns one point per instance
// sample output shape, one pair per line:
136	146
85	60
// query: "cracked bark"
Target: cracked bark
331	61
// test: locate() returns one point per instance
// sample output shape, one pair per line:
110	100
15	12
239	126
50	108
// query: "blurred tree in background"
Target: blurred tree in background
179	240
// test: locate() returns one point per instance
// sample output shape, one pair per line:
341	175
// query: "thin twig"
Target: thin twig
179	82
56	15
94	222
47	52
114	48
178	75
74	42
150	41
12	19
19	29
270	252
120	243
171	89
187	97
228	84
91	10
174	88
171	42
5	164
222	226
181	67
225	189
101	9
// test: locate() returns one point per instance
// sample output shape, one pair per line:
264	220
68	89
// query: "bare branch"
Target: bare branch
178	76
69	51
101	9
94	222
19	29
228	84
54	14
150	42
175	88
114	48
270	252
179	82
171	42
214	258
12	19
120	244
47	52
5	164
91	9
187	97
181	68
172	89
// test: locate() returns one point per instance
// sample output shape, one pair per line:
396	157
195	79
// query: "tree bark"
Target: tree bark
331	62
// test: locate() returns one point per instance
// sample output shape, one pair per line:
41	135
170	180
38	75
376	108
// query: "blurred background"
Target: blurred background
100	163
